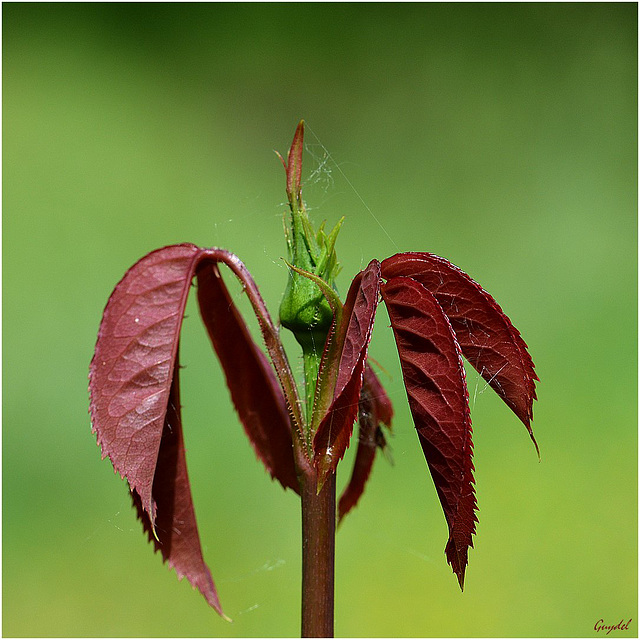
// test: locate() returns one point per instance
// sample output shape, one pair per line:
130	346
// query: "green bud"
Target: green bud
304	309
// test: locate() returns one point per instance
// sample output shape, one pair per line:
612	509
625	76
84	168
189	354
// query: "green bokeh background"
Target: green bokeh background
500	136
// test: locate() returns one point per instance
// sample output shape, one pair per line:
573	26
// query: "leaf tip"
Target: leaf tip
460	574
323	469
457	551
322	477
284	164
527	424
537	447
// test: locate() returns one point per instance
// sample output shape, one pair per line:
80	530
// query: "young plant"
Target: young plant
438	314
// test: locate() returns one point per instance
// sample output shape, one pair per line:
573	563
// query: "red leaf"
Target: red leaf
254	388
135	404
379	398
486	336
435	381
175	526
350	344
133	373
132	368
374	408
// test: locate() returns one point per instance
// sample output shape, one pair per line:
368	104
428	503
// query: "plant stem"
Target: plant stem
311	362
318	555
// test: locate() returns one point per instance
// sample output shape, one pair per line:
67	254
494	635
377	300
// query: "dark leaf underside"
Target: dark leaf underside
488	339
374	409
435	382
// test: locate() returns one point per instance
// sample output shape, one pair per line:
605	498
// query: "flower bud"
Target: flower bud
304	309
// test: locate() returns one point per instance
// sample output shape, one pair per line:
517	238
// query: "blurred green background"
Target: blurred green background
502	137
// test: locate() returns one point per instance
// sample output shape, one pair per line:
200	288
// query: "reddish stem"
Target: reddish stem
269	332
318	554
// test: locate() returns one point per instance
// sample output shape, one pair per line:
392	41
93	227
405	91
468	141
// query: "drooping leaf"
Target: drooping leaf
132	368
254	388
379	398
133	374
488	339
374	409
436	388
176	532
135	403
348	349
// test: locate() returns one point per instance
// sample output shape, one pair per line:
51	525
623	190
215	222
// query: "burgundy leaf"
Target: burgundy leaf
349	343
176	533
486	336
380	399
132	368
133	373
374	409
254	387
436	388
135	404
